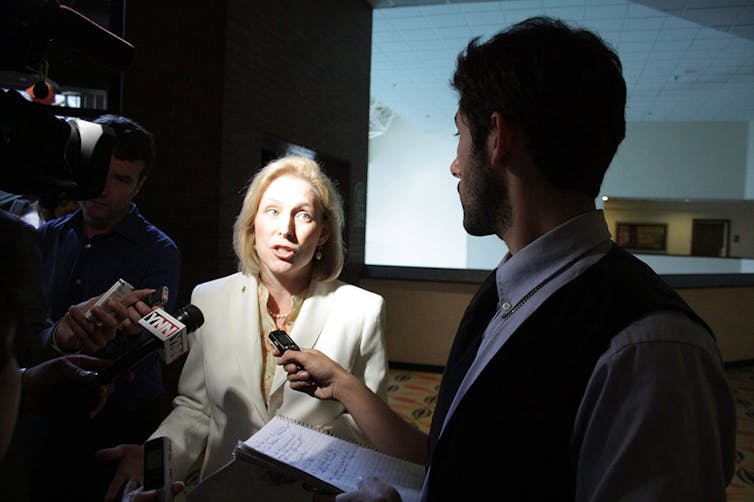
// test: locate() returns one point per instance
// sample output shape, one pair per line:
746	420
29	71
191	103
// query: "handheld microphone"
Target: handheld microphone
165	333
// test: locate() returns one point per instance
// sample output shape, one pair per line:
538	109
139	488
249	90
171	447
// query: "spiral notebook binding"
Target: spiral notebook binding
325	431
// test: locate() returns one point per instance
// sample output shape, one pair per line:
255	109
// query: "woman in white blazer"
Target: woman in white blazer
288	239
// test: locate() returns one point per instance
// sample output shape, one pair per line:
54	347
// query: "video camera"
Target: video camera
42	154
39	152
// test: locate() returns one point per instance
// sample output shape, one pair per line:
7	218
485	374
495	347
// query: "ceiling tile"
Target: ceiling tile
683	59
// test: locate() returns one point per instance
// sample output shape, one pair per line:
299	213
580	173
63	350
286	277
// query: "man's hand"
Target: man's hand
130	459
136	309
75	333
46	385
312	372
371	489
135	493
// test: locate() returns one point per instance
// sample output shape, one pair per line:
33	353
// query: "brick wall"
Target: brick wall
296	71
216	81
175	89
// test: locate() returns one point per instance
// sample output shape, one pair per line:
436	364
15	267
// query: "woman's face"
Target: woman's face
288	228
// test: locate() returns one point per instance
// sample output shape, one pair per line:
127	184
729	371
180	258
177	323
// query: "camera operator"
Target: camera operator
47	156
82	255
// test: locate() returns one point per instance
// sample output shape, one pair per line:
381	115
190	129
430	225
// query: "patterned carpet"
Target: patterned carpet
741	379
412	395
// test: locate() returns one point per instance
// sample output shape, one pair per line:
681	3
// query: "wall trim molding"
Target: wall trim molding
455	275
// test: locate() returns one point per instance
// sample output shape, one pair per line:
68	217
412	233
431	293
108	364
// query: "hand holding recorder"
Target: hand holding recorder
314	373
145	470
138	305
90	325
282	341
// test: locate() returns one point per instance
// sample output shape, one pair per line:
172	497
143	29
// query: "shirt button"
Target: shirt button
87	245
506	306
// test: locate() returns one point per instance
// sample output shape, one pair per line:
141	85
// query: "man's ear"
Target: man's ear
500	140
140	184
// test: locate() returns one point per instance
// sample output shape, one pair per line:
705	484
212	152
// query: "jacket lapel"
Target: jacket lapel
243	325
309	324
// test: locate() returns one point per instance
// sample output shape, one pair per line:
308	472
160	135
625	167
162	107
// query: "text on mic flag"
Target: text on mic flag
169	330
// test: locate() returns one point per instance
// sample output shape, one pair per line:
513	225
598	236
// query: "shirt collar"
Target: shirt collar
518	274
128	228
263	295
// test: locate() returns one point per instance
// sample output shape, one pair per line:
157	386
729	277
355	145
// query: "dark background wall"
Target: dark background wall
217	82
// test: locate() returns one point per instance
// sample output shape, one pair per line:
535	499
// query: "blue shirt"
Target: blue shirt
76	268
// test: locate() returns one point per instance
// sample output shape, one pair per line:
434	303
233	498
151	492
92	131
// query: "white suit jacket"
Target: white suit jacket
220	397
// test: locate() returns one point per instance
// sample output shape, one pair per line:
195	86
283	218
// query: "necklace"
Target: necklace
277	316
541	284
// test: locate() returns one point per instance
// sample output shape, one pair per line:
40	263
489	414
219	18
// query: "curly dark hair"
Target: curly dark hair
562	86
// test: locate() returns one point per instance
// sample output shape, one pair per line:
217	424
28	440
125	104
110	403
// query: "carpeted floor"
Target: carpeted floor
412	395
741	379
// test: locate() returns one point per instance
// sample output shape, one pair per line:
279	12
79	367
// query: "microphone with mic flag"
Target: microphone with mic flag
163	333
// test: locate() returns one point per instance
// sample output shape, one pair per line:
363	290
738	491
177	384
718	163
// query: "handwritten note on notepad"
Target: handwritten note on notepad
335	460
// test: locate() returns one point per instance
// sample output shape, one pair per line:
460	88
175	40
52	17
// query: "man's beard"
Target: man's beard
485	201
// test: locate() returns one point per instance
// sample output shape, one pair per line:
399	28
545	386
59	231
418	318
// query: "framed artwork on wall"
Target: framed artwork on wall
645	237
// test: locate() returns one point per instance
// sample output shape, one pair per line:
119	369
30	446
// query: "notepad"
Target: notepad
334	460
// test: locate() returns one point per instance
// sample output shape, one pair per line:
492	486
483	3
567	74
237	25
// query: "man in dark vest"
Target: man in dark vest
576	373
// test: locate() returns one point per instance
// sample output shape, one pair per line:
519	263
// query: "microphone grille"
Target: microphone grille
191	316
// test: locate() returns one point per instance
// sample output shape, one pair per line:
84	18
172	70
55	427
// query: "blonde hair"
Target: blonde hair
329	266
